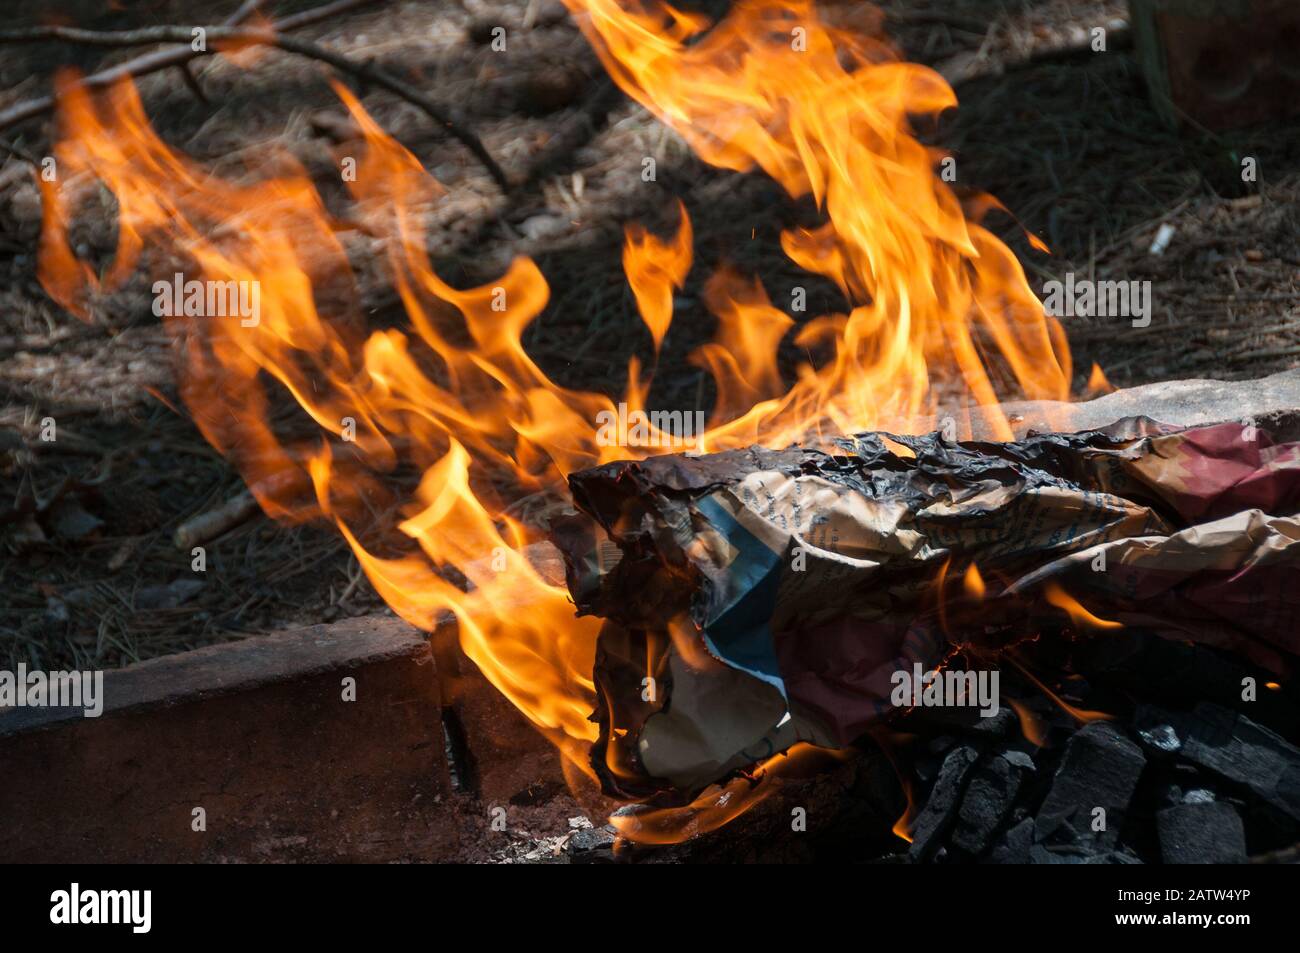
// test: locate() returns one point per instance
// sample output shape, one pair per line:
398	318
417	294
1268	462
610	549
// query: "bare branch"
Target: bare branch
16	150
157	60
219	35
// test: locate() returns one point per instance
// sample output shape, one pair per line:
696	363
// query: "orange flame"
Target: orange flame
1097	382
1035	732
1031	726
459	399
654	268
824	112
931	298
720	804
1080	616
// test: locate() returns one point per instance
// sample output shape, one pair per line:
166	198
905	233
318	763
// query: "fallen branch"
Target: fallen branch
218	36
971	65
238	509
162	59
213	523
18	151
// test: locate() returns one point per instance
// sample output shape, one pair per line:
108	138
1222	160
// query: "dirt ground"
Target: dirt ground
90	575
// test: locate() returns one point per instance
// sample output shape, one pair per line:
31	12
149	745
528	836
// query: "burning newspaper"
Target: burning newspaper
756	598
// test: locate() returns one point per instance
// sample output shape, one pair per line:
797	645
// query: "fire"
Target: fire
654	268
1034	732
1080	616
824	112
457	400
720	804
1031	726
1097	382
933	303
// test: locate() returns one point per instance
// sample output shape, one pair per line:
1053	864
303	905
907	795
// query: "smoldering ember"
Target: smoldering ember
619	431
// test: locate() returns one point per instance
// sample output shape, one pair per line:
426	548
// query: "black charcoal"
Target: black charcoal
987	802
1091	790
1040	854
593	845
1204	833
1015	845
939	810
1229	745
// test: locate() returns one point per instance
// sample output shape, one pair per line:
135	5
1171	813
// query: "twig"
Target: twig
213	523
16	150
938	18
354	579
164	59
192	82
246	10
238	509
1265	354
217	35
962	68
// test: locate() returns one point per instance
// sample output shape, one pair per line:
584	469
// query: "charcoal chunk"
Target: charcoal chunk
594	845
1020	760
1201	833
988	800
1100	769
937	815
1230	745
1113	857
1015	845
967	721
1040	854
